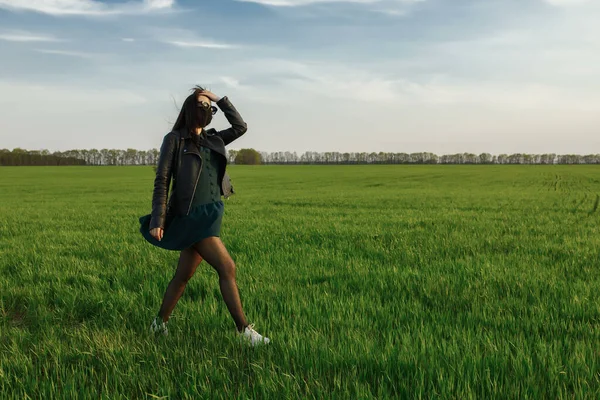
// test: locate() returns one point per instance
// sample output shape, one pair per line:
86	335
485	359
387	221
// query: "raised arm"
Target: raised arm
238	126
162	181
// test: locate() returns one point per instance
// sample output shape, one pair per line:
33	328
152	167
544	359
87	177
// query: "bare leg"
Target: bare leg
214	252
189	259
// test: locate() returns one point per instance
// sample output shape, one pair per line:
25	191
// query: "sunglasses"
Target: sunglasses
207	106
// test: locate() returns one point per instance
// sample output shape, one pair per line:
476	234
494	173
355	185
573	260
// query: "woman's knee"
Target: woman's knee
188	261
182	278
227	269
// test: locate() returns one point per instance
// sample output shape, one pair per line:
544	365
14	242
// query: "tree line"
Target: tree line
424	158
19	156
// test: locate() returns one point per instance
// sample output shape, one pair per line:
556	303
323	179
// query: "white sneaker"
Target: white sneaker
253	337
158	326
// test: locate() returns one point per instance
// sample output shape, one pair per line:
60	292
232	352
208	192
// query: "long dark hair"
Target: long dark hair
188	116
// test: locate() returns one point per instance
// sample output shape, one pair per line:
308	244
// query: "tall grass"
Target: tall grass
461	282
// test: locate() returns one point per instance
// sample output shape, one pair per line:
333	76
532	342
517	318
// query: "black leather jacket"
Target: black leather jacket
180	162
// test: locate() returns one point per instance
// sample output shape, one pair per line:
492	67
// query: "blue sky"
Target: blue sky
443	76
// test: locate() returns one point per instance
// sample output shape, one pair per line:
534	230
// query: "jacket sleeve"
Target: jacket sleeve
162	181
238	126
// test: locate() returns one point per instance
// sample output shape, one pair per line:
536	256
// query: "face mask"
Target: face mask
204	118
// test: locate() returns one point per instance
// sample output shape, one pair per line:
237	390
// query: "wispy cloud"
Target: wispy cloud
297	3
233	83
324	79
69	53
59	96
352	84
566	3
86	7
200	43
27	37
391	11
390	8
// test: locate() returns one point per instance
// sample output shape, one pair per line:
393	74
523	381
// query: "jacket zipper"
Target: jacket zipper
196	184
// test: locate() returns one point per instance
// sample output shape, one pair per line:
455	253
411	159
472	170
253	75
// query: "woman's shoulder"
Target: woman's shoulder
172	135
170	139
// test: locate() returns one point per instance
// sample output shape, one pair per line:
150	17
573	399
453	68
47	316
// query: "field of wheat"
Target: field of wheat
466	282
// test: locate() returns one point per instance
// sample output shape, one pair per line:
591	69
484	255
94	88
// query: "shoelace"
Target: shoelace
252	332
159	325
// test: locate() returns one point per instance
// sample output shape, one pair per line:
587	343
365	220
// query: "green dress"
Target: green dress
206	213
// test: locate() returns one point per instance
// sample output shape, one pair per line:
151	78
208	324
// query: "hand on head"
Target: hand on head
203	95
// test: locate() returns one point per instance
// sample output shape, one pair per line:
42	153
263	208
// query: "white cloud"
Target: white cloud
27	37
566	3
158	4
86	7
296	3
318	79
67	97
293	80
239	87
231	82
391	8
199	43
391	11
185	38
68	53
526	96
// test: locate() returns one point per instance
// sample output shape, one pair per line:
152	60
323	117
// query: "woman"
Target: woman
194	159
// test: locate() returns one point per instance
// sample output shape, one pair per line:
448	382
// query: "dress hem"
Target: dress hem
181	232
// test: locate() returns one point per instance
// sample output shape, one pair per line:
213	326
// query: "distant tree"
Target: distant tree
470	158
267	158
248	157
155	154
433	158
291	158
129	157
485	158
231	154
516	158
403	158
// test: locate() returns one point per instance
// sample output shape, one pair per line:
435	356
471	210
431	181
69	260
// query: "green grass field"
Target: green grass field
452	282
